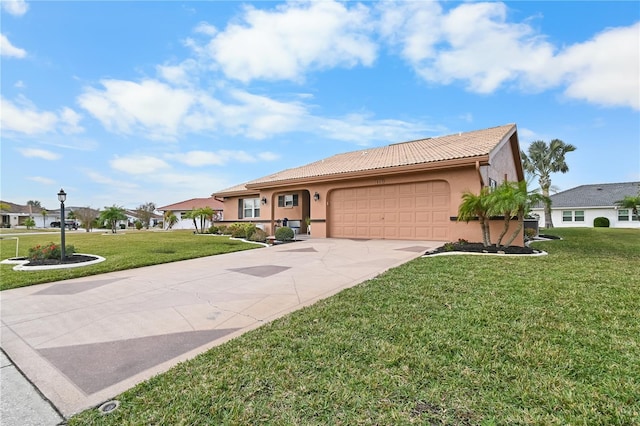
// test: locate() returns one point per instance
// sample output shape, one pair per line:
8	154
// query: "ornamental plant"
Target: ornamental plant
48	251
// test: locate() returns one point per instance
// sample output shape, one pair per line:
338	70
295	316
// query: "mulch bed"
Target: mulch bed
479	248
74	258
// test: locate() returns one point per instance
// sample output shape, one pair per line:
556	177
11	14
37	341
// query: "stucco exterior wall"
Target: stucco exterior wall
459	180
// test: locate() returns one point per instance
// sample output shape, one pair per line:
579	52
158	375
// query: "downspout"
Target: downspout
482	184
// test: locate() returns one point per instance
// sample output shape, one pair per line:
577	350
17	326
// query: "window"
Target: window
623	215
573	216
248	207
288	200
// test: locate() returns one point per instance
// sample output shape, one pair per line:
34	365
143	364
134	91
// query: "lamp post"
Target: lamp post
62	197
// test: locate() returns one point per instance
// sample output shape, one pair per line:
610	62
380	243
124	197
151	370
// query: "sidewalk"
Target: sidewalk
21	404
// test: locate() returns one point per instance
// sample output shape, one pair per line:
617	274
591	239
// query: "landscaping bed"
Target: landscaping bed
466	247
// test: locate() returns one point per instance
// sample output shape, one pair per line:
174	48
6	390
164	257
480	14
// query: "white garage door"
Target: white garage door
410	211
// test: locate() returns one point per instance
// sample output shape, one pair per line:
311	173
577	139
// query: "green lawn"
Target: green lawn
124	250
451	340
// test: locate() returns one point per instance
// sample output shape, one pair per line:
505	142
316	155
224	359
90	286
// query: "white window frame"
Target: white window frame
573	215
251	207
567	217
625	217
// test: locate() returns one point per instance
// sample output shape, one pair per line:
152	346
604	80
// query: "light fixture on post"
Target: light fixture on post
62	197
316	196
264	200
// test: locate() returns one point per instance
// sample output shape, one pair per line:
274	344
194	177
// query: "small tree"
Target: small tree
145	212
477	206
112	215
193	215
29	223
44	213
170	219
87	217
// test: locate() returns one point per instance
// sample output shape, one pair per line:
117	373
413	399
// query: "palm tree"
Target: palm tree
477	205
44	217
193	215
505	200
543	160
521	200
170	219
630	202
112	215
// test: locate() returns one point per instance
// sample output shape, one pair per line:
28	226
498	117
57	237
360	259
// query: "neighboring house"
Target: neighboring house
17	214
408	191
133	217
579	206
182	208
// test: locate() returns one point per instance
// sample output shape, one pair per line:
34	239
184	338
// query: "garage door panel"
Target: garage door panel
412	211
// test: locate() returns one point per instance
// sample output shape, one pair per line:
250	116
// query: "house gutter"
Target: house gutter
421	167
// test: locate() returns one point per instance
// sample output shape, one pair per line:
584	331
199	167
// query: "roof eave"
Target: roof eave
411	168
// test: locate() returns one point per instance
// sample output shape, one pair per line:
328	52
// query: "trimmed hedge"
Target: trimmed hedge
601	222
284	233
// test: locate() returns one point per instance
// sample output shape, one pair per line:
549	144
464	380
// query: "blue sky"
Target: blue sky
129	102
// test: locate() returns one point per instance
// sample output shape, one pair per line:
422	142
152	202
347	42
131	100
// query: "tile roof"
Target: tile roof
19	208
194	203
597	195
424	151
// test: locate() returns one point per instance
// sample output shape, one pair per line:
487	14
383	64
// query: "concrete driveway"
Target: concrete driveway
83	341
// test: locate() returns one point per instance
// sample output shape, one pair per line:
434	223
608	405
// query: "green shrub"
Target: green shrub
284	233
29	223
601	222
242	229
258	235
212	229
48	251
138	225
222	229
529	233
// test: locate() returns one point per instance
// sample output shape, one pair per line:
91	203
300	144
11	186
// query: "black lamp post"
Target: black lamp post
62	197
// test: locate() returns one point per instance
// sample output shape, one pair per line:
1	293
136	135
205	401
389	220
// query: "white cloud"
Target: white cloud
219	158
25	118
138	164
8	49
39	153
19	84
286	42
15	7
150	107
69	121
605	70
42	180
108	181
474	43
364	130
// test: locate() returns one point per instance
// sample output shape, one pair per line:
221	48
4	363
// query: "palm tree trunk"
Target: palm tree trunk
548	221
486	238
517	231
507	221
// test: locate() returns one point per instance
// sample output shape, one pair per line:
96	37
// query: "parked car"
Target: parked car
69	224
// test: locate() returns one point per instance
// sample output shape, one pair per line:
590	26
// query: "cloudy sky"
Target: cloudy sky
129	102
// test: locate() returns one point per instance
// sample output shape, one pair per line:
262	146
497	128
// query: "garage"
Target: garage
406	211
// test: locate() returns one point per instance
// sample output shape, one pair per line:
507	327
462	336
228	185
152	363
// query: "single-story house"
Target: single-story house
183	207
579	206
407	191
17	214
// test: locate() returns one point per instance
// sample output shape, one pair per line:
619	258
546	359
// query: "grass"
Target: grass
455	340
124	250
